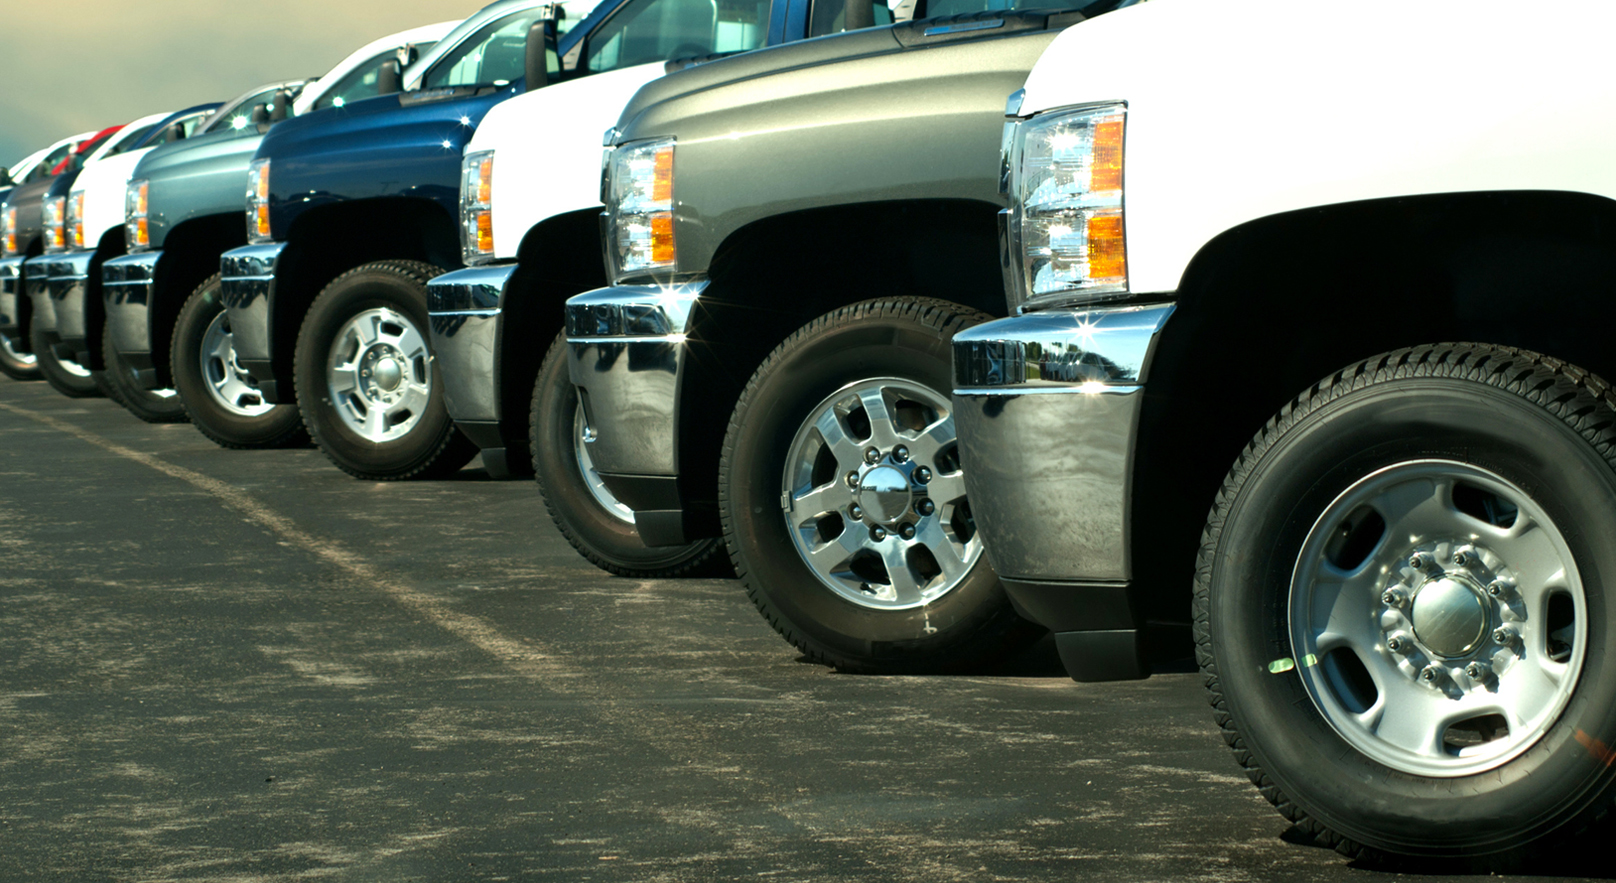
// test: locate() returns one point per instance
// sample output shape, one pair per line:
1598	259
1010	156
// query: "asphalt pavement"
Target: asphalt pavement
247	666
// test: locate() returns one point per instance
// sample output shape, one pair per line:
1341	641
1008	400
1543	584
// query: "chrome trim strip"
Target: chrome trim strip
10	290
246	288
477	290
961	28
464	318
640	312
1059	349
1086	389
69	288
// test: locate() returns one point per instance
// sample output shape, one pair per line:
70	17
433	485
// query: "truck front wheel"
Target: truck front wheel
150	405
14	362
843	500
221	397
1401	608
64	375
367	385
599	526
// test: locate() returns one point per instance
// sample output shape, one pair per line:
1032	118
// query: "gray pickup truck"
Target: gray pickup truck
794	235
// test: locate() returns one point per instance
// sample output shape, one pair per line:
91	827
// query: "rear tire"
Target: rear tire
600	528
216	394
367	385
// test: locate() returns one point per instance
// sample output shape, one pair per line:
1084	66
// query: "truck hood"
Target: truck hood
904	36
166	159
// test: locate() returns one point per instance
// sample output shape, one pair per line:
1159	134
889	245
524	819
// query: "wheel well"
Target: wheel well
190	255
776	275
327	241
559	257
1270	308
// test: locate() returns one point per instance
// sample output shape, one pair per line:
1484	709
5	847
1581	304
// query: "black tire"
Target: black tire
63	377
1537	423
15	361
152	406
244	426
967	626
430	446
609	541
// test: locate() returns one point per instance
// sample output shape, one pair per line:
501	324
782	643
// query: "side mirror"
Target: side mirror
540	38
280	107
858	14
388	77
260	115
5	177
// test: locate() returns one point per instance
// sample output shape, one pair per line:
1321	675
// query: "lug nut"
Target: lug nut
900	453
853	479
1419	561
872	455
922	475
1398	644
906	530
1394	598
1430	673
855	511
925	507
1498	588
1476	671
1504	635
1465	556
878	533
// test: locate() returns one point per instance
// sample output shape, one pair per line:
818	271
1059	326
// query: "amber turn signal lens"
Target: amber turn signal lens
1105	172
485	232
662	175
142	236
262	220
1108	253
662	236
485	181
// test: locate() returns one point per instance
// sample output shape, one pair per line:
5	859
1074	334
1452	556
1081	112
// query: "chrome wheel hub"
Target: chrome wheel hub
1438	618
874	497
231	386
379	374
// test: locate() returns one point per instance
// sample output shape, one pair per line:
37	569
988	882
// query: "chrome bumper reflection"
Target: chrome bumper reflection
626	354
1047	406
247	290
126	289
10	292
464	308
68	280
36	285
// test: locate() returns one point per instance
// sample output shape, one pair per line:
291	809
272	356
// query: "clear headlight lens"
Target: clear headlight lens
8	232
258	202
136	235
640	191
55	224
477	207
75	220
1066	214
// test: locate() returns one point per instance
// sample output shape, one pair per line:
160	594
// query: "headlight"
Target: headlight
8	232
640	205
75	220
55	224
477	207
136	235
1066	233
258	202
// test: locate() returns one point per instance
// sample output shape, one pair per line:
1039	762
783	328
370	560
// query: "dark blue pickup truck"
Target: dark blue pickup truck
351	212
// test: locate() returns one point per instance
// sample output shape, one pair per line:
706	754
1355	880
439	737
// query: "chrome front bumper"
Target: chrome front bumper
68	281
247	289
1047	405
36	285
127	283
11	295
465	315
626	354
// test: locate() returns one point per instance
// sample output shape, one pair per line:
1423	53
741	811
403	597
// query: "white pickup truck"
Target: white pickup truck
1344	281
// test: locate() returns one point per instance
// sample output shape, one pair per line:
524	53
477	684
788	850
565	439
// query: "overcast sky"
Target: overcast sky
76	65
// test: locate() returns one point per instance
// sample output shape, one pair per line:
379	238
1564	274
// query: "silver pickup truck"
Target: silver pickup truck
793	236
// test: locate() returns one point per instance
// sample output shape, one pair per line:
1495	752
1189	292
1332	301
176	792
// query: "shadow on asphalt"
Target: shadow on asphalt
1559	864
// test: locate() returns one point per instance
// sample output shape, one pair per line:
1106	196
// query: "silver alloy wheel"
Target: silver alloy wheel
73	367
582	435
873	495
9	350
230	385
1438	618
379	374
